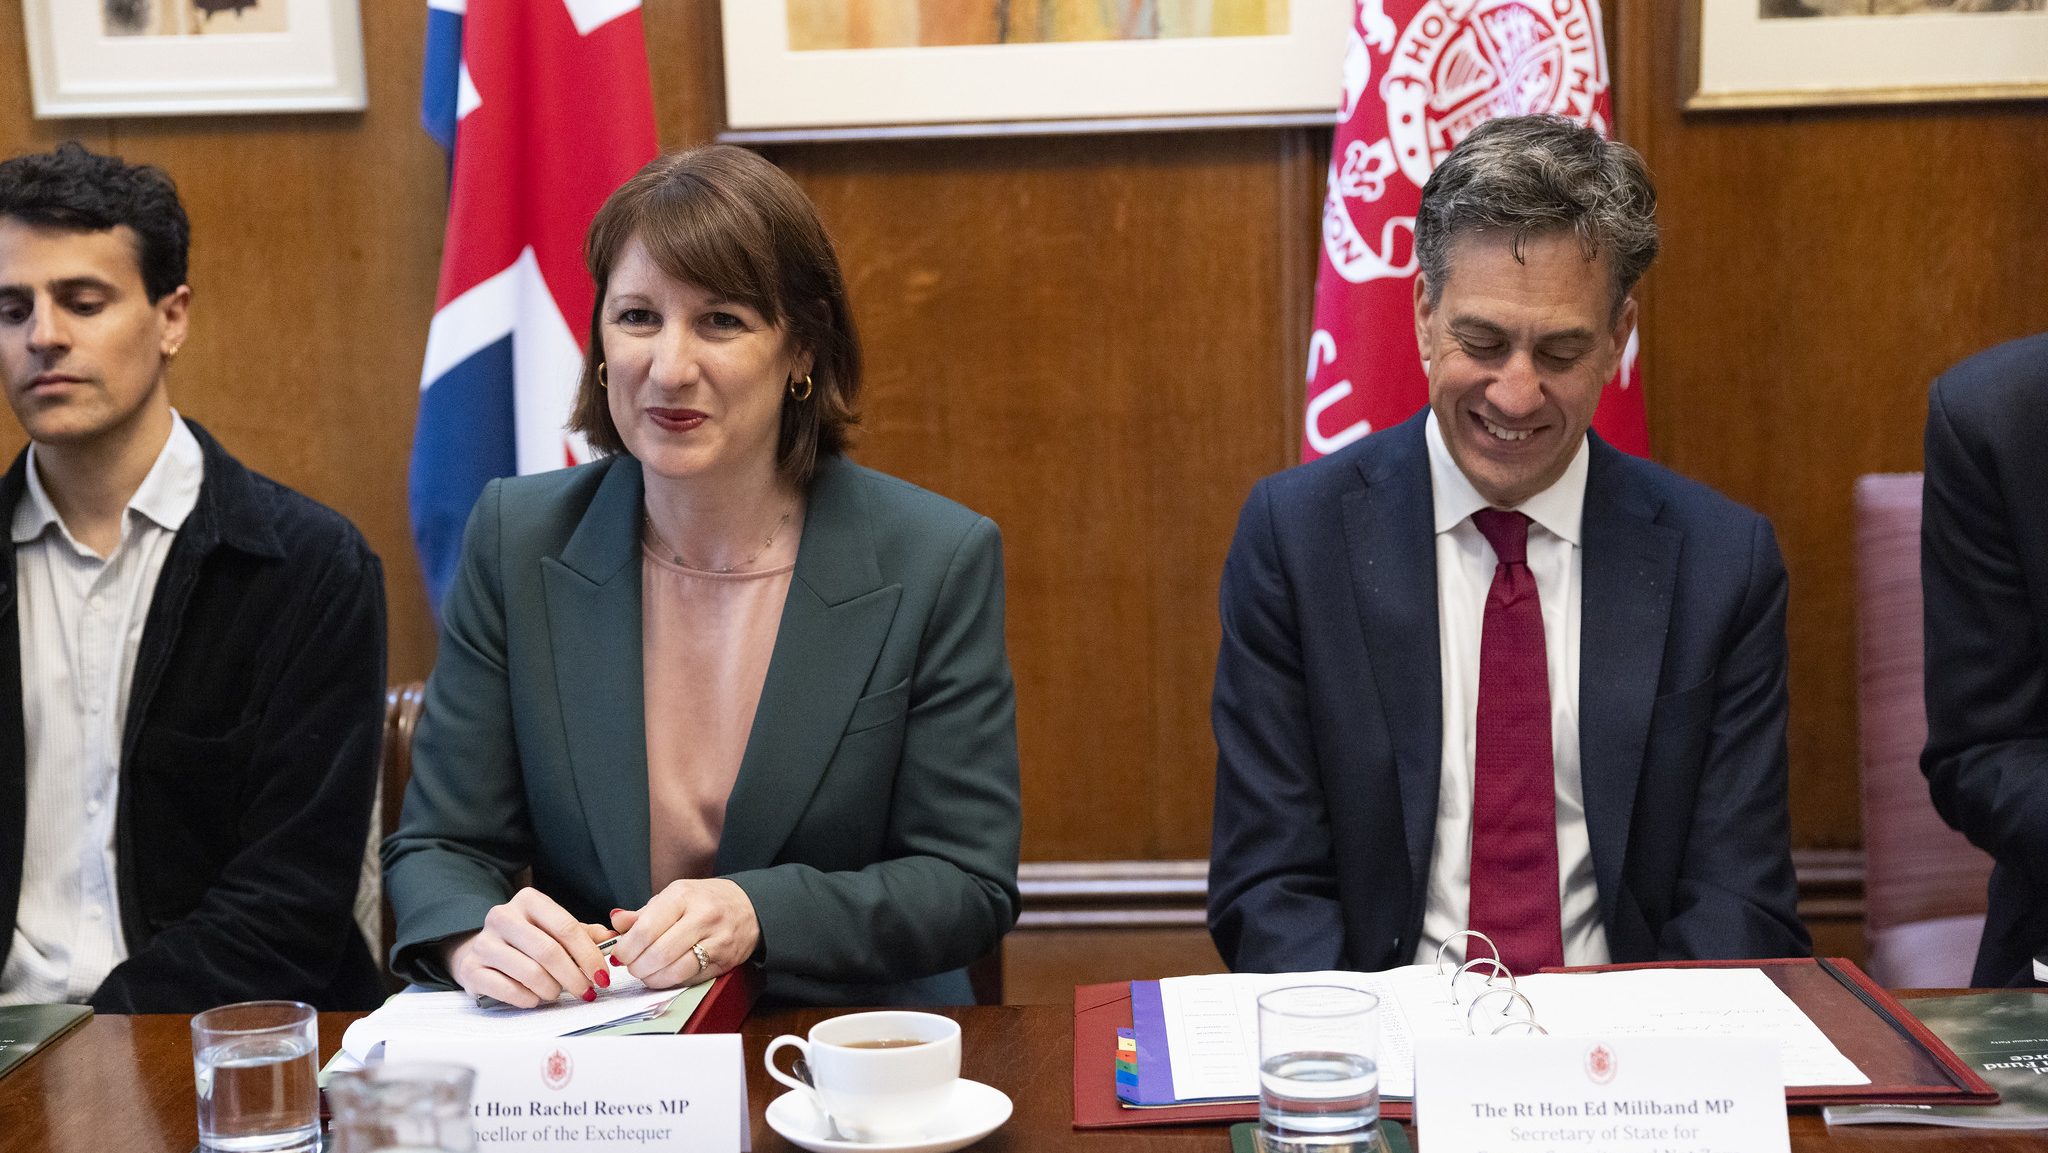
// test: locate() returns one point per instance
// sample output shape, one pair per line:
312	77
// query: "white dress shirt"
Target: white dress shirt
81	618
1464	572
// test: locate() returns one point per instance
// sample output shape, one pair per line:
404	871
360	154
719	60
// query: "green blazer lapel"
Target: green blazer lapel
593	606
833	625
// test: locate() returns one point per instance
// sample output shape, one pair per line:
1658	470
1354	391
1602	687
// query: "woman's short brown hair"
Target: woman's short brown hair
736	226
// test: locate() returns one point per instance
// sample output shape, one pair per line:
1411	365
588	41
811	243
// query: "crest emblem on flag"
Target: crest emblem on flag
1418	78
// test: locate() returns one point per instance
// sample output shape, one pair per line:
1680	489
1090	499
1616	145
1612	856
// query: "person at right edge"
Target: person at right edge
1984	576
1481	670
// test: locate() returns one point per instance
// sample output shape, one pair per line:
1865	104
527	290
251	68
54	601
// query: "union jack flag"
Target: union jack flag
545	108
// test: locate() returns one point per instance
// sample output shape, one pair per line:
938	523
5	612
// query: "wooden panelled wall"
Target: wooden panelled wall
1820	268
316	242
1099	342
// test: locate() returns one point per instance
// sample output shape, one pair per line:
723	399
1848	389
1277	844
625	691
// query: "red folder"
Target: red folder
1905	1061
725	1007
1099	1011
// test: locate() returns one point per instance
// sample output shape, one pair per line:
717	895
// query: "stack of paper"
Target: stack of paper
432	1016
1197	1037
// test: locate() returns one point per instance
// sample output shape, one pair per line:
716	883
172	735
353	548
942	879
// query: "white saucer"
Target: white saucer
976	1111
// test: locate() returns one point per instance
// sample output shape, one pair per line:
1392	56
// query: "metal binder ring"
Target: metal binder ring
1512	994
1525	1023
1499	971
1491	947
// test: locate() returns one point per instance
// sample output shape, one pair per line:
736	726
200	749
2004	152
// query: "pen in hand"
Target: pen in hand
484	1001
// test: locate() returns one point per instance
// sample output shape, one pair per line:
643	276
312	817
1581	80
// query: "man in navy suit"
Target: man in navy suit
1984	569
1481	670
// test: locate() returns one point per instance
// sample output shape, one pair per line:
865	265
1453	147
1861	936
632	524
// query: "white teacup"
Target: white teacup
878	1076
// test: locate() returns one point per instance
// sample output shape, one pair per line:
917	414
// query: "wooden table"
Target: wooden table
125	1083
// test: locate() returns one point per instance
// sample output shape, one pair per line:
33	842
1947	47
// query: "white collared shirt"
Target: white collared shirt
81	619
1464	572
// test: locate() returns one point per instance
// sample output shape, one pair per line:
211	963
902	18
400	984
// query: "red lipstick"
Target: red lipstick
676	419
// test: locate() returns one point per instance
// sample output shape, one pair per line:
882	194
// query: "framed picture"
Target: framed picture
1774	53
181	57
820	69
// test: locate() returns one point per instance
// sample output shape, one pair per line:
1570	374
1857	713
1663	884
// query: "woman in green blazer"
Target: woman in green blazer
866	850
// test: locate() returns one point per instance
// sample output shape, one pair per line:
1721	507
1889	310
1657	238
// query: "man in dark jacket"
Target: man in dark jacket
1984	570
1480	670
192	656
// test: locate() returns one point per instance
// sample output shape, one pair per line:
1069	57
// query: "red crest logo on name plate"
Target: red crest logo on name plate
557	1069
1600	1064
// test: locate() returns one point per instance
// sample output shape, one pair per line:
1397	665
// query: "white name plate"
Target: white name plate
601	1094
1600	1095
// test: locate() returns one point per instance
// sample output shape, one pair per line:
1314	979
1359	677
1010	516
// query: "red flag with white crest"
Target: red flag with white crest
1419	75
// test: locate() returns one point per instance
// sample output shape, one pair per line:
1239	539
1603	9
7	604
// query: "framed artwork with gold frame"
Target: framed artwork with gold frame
193	57
1786	53
824	69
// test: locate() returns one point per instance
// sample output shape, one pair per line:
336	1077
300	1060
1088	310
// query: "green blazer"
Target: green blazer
876	816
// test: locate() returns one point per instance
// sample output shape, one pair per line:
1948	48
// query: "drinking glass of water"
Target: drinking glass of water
1319	1074
402	1107
255	1065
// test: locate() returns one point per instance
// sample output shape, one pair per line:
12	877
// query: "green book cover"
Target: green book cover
2004	1037
1390	1138
27	1028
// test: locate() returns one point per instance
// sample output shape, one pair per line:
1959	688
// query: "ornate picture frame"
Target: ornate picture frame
780	88
1759	54
193	57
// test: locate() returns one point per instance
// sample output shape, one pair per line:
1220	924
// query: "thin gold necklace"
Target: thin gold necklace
677	558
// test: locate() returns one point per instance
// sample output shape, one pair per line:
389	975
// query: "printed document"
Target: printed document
1212	1022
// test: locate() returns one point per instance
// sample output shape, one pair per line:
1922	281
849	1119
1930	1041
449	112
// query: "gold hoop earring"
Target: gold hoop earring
803	396
600	375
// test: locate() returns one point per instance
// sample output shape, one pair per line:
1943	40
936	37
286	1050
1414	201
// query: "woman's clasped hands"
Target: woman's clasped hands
531	951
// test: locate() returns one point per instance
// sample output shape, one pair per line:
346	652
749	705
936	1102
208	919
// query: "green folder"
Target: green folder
1244	1138
27	1028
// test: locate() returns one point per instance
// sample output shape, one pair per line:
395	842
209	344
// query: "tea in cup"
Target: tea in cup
878	1076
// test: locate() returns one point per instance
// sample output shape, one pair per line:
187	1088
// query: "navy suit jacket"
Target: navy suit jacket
1984	571
1328	716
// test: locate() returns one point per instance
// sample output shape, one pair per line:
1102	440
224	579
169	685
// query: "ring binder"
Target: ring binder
1500	969
1903	1061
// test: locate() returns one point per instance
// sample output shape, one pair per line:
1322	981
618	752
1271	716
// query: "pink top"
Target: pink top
706	638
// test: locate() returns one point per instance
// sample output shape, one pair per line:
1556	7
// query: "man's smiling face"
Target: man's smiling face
1517	353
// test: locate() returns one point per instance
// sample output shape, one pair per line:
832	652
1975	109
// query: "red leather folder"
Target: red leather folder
725	1007
1099	1011
1905	1061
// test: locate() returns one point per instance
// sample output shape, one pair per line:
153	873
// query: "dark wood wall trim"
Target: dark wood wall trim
1127	894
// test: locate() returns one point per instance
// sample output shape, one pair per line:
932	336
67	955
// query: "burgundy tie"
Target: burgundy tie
1514	799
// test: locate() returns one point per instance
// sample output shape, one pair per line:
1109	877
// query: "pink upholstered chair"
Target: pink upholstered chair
1923	882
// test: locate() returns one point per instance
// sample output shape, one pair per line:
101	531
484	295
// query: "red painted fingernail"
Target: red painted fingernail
613	960
590	994
603	978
